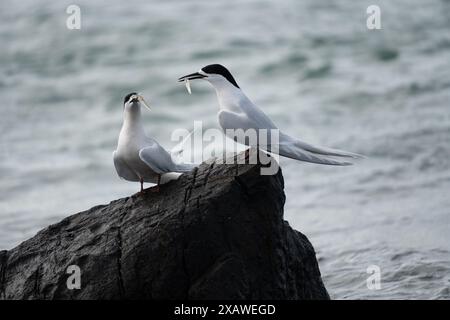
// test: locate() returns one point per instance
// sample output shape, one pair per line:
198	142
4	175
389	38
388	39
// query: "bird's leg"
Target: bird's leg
141	180
247	155
156	188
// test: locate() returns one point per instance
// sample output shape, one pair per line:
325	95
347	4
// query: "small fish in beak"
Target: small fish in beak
141	99
186	79
188	85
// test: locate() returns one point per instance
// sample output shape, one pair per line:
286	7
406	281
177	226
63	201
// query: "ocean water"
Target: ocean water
313	67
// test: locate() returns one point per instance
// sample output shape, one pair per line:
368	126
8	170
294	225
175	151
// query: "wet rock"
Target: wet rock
215	233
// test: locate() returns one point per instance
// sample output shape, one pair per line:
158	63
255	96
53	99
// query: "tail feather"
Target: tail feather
296	153
327	151
288	140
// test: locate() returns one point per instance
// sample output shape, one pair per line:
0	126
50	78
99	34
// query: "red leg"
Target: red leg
156	188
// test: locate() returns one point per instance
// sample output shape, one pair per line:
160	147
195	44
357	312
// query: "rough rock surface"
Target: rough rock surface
215	233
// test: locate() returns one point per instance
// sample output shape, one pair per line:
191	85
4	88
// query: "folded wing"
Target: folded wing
160	161
287	147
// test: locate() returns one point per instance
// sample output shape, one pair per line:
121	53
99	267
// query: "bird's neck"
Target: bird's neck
132	120
229	96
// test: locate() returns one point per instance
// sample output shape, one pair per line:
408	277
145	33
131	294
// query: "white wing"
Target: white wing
157	158
160	161
123	170
243	120
252	117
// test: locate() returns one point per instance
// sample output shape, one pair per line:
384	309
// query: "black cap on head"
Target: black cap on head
127	97
220	69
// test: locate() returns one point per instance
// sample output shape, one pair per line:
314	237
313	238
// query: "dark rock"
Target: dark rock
215	233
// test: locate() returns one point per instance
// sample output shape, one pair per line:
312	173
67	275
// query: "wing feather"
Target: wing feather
157	158
288	146
160	161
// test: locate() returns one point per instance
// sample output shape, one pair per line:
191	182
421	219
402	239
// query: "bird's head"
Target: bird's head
216	74
133	101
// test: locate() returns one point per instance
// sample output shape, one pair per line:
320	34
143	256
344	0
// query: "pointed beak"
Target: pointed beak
141	99
192	76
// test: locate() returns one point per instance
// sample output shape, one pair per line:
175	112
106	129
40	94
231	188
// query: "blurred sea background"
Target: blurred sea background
313	67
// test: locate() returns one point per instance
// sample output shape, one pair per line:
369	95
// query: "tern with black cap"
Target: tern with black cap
236	111
138	157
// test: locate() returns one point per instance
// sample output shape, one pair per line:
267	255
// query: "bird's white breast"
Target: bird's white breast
132	139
